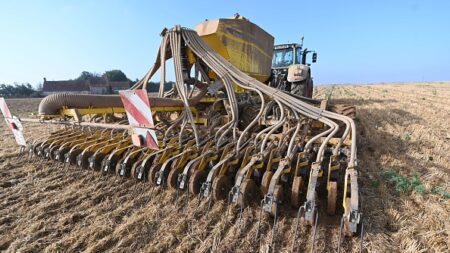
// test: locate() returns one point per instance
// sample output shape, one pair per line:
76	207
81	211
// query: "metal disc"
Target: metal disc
331	199
118	166
196	180
267	176
278	197
172	178
220	187
134	169
85	159
248	192
152	174
296	192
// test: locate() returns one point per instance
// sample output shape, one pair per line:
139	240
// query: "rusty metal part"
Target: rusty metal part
296	191
221	187
277	199
196	180
172	178
267	176
332	198
248	192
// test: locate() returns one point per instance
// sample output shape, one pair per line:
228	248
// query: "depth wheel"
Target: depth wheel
265	182
249	192
118	166
196	180
172	178
277	197
331	200
220	187
85	160
134	172
152	174
297	185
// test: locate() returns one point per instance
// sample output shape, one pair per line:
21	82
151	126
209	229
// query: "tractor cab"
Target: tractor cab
285	55
290	71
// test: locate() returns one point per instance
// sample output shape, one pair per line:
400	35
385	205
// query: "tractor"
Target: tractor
290	70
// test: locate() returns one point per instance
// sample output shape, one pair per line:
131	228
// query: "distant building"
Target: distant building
95	85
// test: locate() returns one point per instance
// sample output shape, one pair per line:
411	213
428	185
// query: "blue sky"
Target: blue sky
357	41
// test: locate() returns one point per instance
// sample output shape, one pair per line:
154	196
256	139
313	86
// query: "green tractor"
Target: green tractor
290	71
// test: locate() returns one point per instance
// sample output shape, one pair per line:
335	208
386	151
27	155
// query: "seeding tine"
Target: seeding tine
341	226
313	247
209	205
259	221
228	205
241	209
30	154
361	238
177	191
302	208
21	152
274	228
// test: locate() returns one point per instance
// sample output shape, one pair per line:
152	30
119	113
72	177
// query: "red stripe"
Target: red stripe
150	141
131	109
143	95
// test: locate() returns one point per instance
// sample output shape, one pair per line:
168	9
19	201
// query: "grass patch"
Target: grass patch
407	184
440	191
406	135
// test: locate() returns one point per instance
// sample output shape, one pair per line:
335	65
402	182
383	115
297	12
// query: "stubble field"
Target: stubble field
403	153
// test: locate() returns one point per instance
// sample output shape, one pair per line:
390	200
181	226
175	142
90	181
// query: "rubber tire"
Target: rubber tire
196	180
221	187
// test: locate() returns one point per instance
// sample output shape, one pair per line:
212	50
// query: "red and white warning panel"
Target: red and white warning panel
13	123
139	115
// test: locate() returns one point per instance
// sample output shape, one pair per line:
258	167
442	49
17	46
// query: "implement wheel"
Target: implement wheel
220	187
172	178
266	181
119	162
84	163
248	192
134	169
332	197
196	180
152	174
296	192
277	197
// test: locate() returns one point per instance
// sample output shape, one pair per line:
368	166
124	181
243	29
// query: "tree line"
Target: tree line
26	90
18	90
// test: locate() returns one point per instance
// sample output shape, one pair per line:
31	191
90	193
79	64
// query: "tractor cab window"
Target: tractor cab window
298	55
282	57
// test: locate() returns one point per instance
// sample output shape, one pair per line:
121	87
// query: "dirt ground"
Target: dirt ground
403	153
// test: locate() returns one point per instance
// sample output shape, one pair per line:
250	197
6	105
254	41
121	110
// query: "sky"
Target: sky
357	41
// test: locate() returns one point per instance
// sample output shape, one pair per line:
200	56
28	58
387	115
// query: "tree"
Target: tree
17	90
86	75
115	75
